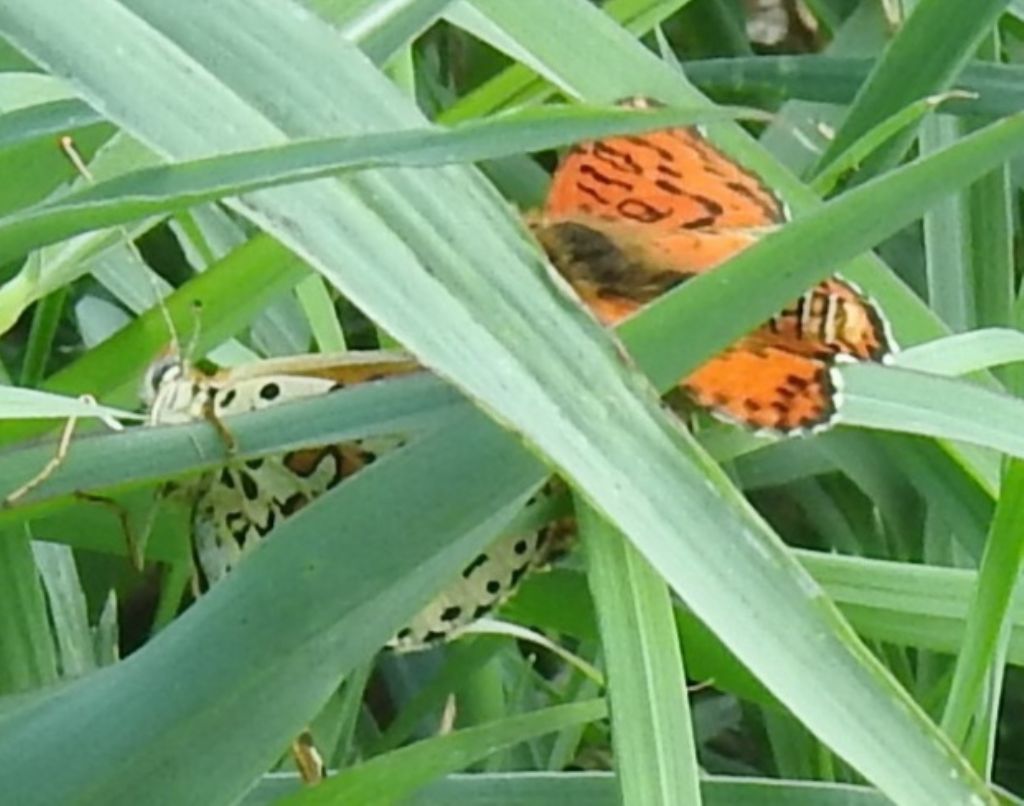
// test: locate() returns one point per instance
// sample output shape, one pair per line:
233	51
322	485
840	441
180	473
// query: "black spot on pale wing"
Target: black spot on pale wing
254	464
227	479
228	398
433	636
521	546
481	611
238	525
263	529
250	489
480	560
517	574
493	587
293	504
270	391
451	613
404	633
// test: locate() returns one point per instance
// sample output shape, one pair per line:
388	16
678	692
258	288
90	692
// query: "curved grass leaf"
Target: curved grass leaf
142	456
935	42
169	188
964	353
397	774
996	89
24	403
44	120
911	402
599	789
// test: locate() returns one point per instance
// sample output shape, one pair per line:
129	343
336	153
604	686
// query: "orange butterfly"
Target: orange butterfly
628	218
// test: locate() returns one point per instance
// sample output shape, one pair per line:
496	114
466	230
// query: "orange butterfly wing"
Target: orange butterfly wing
671	179
628	218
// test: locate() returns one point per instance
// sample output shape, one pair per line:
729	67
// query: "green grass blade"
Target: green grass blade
355	565
965	352
997	579
140	456
937	39
397	774
382	29
45	120
847	162
655	753
899	400
519	85
27	656
171	188
995	90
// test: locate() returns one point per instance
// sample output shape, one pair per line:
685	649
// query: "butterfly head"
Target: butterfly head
169	388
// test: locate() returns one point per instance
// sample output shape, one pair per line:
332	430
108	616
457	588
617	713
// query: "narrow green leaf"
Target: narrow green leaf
996	582
993	90
168	188
934	43
27	656
652	737
395	775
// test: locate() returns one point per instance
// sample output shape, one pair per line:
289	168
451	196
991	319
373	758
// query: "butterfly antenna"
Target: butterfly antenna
67	145
197	329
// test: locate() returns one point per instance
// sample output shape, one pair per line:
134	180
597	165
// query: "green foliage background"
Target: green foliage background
845	602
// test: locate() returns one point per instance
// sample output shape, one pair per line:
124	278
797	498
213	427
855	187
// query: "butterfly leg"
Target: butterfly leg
63	445
211	416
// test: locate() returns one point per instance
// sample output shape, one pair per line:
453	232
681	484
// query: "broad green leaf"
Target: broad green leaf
344	574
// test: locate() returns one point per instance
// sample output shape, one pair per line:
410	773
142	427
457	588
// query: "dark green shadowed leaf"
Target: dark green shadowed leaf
355	565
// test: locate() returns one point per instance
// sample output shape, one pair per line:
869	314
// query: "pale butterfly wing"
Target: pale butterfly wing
237	507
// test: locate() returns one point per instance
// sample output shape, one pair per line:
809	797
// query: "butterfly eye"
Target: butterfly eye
164	370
